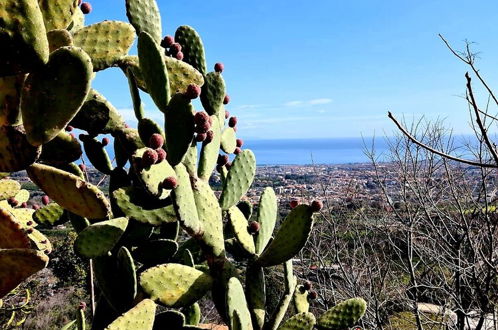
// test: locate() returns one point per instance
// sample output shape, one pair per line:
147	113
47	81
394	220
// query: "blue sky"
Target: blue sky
328	68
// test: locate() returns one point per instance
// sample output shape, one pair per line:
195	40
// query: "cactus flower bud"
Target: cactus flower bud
156	141
175	48
200	118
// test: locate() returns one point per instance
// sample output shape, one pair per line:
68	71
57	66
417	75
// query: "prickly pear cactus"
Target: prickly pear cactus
159	188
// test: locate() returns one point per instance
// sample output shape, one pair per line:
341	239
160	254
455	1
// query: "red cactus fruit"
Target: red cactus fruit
36	207
237	151
228	165
307	285
316	206
222	160
12	201
149	158
219	67
105	141
312	295
179	56
82	167
45	200
69	128
161	155
175	48
156	141
200	137
86	8
201	118
29	223
167	41
240	142
253	227
226	100
209	137
193	92
203	128
232	121
82	306
227	114
29	230
170	183
24	205
293	203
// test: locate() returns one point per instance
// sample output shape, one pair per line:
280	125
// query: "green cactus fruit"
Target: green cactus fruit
12	233
153	176
10	99
236	302
127	275
256	295
183	200
57	14
154	252
146	128
17	153
39	241
179	122
239	179
105	42
209	213
267	217
228	140
98	116
99	238
300	299
23	37
59	38
209	152
171	319
343	315
9	188
50	215
62	149
300	321
18	264
175	285
239	226
145	17
192	314
290	238
154	70
139	317
133	205
53	95
70	191
192	47
213	93
97	155
246	208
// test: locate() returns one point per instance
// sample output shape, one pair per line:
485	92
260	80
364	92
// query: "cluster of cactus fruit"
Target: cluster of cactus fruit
162	236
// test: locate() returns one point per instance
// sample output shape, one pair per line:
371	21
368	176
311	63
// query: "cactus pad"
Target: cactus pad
98	239
239	226
39	241
179	121
134	207
236	302
169	320
209	152
24	42
95	151
50	215
213	93
62	149
10	99
239	179
57	14
256	295
53	95
145	17
9	188
154	252
181	75
146	128
17	153
175	285
154	70
343	315
18	264
267	216
24	216
192	314
301	321
192	47
59	38
12	234
228	140
70	191
105	42
183	199
290	238
128	278
139	317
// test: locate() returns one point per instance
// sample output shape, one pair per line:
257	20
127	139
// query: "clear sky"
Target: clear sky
328	68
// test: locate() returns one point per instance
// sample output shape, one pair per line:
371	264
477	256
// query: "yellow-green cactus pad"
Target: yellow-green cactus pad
192	47
239	179
70	191
300	299
267	217
105	42
16	265
139	317
50	215
23	38
99	238
179	120
58	14
183	200
22	196
53	95
145	17
228	140
39	241
175	285
300	321
210	151
12	232
256	294
17	153
239	226
9	188
236	302
59	38
62	149
24	216
343	315
213	93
